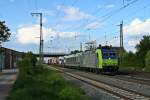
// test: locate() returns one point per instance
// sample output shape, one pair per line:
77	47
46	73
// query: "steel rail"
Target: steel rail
117	91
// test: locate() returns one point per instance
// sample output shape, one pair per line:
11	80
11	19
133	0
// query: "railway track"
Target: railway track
129	78
132	85
117	91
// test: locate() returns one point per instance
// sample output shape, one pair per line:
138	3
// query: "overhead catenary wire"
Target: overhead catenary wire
138	24
105	16
87	19
58	14
60	21
110	14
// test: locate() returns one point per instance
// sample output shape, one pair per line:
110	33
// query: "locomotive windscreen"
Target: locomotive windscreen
109	54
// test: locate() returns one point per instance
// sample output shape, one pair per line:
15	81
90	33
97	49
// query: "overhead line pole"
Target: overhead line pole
80	46
41	38
121	41
121	35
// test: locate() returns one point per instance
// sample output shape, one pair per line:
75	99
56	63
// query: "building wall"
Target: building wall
10	58
2	57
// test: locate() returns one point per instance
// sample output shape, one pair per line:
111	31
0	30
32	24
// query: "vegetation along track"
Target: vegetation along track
122	93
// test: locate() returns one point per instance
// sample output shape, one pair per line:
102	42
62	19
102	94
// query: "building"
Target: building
9	58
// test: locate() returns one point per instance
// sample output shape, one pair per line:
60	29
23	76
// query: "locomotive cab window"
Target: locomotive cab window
113	55
105	55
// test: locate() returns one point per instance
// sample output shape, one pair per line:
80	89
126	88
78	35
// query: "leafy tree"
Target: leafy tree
4	32
131	55
147	60
143	47
31	57
75	51
28	65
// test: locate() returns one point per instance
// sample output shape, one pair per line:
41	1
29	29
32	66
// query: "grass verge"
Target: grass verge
47	85
36	82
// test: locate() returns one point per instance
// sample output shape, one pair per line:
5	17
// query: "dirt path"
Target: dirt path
7	79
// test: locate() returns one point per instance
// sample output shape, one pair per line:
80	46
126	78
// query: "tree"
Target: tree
4	35
147	61
75	51
31	57
143	47
4	32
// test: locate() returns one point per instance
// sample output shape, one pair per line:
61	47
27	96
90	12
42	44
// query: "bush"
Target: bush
28	65
36	82
72	93
147	61
31	57
131	60
21	93
25	67
48	85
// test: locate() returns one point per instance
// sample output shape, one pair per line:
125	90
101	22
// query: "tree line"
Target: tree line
139	59
4	32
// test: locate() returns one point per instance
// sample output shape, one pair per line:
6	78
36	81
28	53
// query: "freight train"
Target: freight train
54	61
101	59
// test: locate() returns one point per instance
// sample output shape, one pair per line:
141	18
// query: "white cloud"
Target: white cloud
133	42
72	13
30	34
137	27
114	42
134	31
130	44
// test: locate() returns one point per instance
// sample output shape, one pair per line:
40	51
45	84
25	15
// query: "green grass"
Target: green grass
131	65
131	68
45	85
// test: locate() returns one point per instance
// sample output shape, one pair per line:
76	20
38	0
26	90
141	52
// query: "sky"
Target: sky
67	23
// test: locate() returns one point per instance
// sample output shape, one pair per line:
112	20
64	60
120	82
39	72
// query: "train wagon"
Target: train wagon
53	61
101	59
